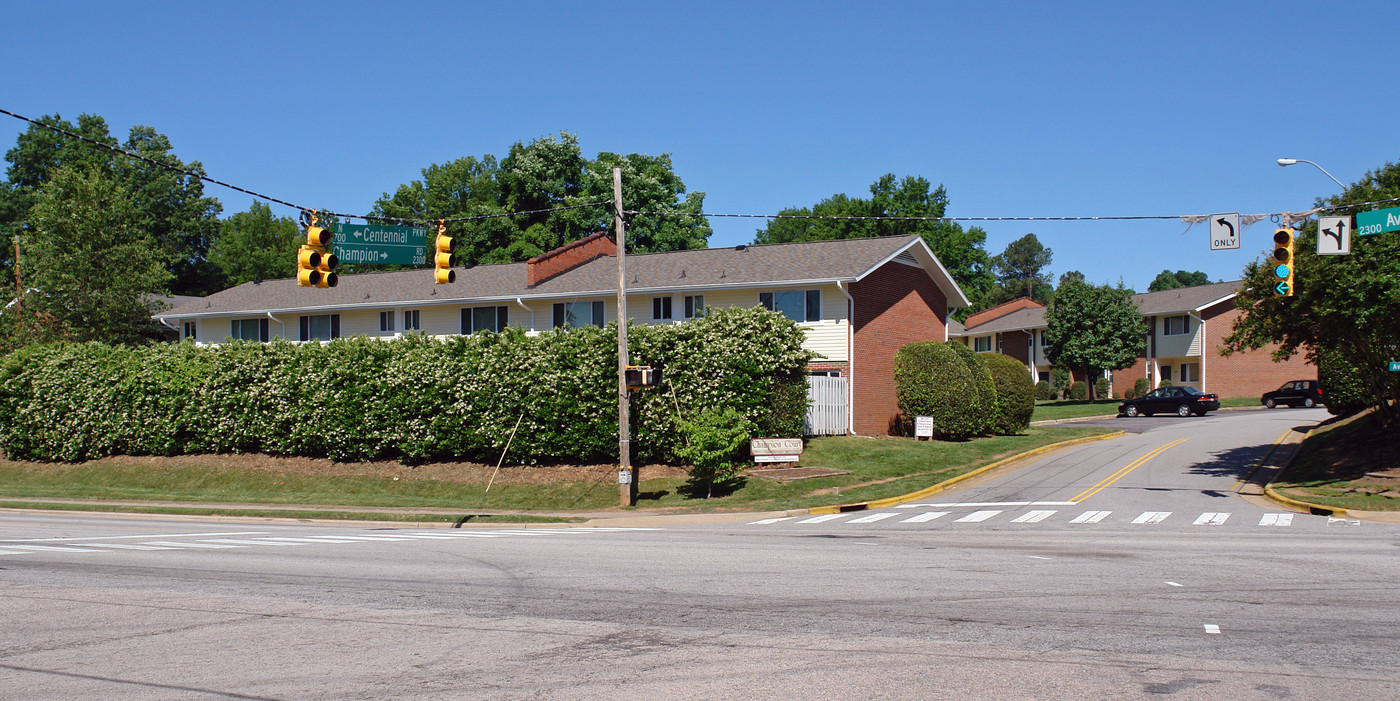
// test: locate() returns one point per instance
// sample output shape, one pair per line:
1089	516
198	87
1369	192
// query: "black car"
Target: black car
1296	393
1182	401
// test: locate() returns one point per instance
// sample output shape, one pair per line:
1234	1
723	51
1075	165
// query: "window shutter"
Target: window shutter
598	314
766	299
558	315
814	305
335	326
466	321
306	328
502	318
262	330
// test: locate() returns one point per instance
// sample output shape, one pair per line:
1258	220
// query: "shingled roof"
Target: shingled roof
769	265
1178	301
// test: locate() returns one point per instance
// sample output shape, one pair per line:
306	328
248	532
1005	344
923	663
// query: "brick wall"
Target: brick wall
1243	374
547	265
1013	343
843	366
894	306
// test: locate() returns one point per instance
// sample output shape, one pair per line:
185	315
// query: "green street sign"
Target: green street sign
377	244
1395	366
1378	222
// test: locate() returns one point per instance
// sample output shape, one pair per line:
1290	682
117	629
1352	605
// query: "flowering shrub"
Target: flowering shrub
413	398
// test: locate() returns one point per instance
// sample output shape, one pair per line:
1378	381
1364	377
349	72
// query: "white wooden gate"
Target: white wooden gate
827	408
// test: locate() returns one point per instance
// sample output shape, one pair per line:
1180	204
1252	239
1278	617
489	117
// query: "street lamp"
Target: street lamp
1291	161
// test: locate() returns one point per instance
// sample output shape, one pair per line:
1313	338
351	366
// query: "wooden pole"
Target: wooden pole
626	474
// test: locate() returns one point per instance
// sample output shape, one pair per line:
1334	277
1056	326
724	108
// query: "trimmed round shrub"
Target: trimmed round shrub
984	405
1060	380
1043	391
1015	395
1140	387
1101	388
931	379
1078	391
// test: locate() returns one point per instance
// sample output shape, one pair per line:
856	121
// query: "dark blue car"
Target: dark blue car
1182	401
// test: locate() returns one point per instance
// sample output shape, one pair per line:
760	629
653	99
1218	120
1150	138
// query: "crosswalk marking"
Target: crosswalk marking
1276	520
872	518
52	548
977	516
925	517
127	546
1211	519
190	544
1152	517
1033	517
821	519
767	521
1090	517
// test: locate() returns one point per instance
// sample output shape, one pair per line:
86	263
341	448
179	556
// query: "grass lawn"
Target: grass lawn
879	468
1352	464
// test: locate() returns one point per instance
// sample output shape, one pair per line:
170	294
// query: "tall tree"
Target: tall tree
1168	280
90	265
960	250
1347	306
1093	328
168	204
1020	269
254	245
548	174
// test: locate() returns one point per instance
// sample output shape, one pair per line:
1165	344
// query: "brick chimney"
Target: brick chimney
568	257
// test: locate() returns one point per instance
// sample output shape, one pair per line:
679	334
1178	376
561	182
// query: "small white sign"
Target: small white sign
923	427
1333	236
624	477
776	458
1224	231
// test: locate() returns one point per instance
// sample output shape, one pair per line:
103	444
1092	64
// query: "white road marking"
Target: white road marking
54	548
1212	629
925	517
129	537
821	519
1038	557
872	518
1276	520
767	521
977	517
126	546
14	552
1334	521
1173	584
190	544
980	504
1033	517
321	539
1090	517
233	541
1210	519
1152	517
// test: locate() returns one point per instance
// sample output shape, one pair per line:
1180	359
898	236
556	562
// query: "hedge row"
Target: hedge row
413	398
967	394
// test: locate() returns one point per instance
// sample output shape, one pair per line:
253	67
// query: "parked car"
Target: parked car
1306	393
1182	401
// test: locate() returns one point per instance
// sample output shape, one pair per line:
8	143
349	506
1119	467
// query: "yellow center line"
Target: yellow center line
1124	471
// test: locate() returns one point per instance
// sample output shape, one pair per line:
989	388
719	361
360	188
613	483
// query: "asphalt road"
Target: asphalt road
895	607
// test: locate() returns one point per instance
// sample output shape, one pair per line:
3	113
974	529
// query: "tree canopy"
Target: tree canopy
960	250
550	173
1347	306
1093	328
169	206
254	245
1020	271
1168	280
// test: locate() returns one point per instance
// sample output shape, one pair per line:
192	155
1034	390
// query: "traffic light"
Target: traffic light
442	257
1283	262
315	264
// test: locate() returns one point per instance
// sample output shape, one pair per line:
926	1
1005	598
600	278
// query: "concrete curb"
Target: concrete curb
1306	507
941	486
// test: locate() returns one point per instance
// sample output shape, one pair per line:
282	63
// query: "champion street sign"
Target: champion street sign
1378	222
378	244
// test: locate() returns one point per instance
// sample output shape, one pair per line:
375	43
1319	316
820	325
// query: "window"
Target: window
484	319
1166	373
248	330
982	344
1190	372
1043	376
386	322
412	320
190	328
575	315
322	327
1176	325
797	305
694	306
1044	338
660	308
999	350
824	373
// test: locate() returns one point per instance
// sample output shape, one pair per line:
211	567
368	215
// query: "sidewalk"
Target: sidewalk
1256	487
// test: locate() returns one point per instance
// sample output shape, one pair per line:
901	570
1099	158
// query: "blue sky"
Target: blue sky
1018	109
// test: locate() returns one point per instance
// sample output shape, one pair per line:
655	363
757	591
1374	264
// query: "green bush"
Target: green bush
1344	388
1060	379
1078	391
1015	394
932	380
1165	383
713	444
984	404
1141	387
413	398
1043	391
1101	388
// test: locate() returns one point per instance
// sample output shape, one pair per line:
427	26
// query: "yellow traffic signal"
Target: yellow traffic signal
443	258
1283	262
316	264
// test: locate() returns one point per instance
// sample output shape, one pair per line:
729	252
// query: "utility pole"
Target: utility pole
19	287
626	474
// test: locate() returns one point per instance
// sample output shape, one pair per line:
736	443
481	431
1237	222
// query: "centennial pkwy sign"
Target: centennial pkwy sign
377	244
1378	222
775	449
